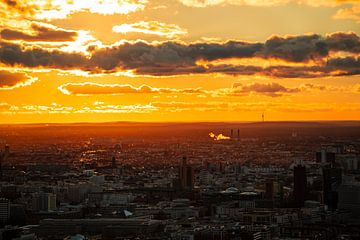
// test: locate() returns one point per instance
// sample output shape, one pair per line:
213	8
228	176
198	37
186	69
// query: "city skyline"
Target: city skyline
179	61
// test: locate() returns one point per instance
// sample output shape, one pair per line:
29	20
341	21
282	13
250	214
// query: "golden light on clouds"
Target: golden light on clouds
40	9
185	60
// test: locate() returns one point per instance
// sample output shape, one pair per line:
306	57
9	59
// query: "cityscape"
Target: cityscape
179	119
264	180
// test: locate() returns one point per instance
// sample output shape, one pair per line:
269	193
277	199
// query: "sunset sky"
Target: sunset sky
179	60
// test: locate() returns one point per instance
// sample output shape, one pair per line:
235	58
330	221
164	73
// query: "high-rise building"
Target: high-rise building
44	202
186	175
3	156
4	210
332	178
300	183
113	162
325	157
274	191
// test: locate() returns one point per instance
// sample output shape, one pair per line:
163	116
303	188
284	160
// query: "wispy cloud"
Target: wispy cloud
152	28
40	32
89	88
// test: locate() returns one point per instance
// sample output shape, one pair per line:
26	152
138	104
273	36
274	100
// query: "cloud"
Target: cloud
248	107
11	80
89	88
54	108
352	13
356	88
345	63
207	3
175	107
14	55
312	55
40	32
62	8
268	89
238	89
152	28
265	3
167	55
350	8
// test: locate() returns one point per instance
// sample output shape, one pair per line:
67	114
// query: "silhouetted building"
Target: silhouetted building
3	156
299	184
332	178
325	157
113	162
4	210
274	191
186	175
44	202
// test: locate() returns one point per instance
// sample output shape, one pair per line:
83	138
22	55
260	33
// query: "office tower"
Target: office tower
349	198
113	162
44	202
332	178
3	156
325	157
300	182
186	175
274	191
269	189
4	210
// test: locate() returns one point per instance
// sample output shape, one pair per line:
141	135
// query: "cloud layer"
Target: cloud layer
268	89
89	88
40	32
313	52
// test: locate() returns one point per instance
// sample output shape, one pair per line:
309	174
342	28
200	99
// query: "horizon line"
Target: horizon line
184	122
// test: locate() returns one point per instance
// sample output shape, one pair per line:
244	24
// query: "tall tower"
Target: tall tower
332	178
113	162
263	117
3	156
4	210
186	175
300	182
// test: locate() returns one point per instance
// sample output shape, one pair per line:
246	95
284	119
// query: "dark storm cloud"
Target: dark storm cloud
173	58
41	33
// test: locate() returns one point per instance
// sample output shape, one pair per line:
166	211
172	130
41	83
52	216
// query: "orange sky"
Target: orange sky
179	60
